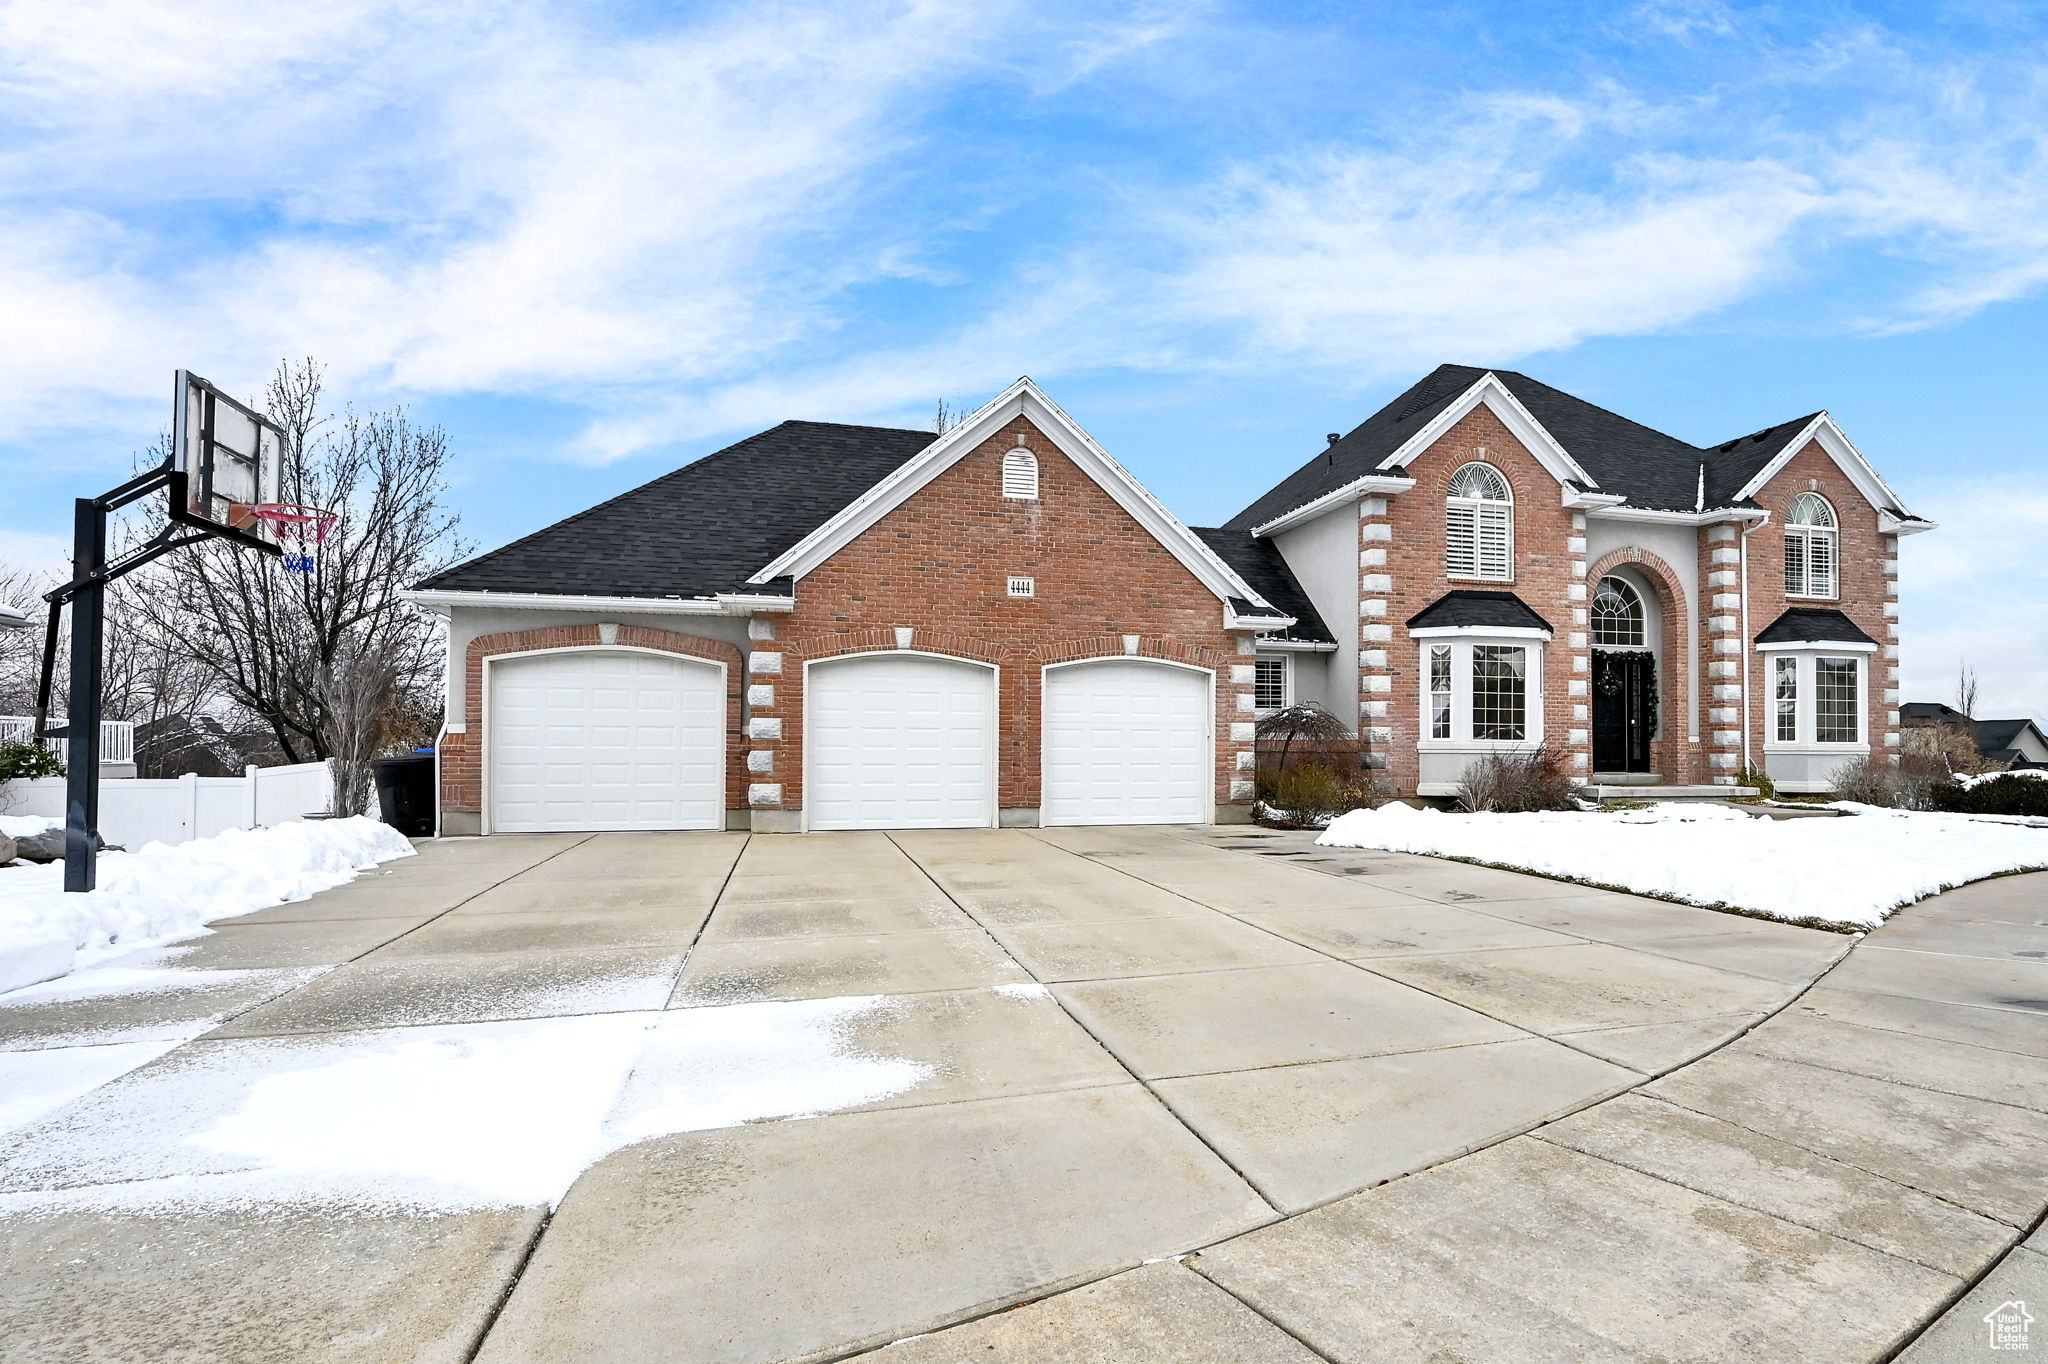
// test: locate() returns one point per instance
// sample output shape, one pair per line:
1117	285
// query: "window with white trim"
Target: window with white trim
1812	547
1483	692
1479	524
1439	691
1834	701
1817	698
1785	694
1617	616
1270	677
1020	475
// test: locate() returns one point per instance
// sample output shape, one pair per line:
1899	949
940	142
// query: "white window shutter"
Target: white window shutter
1461	547
1496	541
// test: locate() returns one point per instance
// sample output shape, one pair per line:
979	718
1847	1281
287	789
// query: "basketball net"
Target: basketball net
298	530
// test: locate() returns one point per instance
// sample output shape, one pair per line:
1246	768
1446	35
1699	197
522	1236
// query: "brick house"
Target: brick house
1523	567
833	627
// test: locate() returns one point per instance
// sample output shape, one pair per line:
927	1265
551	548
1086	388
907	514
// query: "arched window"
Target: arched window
1810	547
1617	616
1020	474
1479	518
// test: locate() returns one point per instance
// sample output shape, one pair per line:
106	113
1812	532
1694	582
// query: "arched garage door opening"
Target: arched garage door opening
1128	741
600	739
899	741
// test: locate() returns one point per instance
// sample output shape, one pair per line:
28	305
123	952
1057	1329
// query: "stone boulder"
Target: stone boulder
6	849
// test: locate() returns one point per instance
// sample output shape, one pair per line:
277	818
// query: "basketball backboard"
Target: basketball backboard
229	456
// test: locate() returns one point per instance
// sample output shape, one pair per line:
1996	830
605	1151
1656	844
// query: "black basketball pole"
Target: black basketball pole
82	725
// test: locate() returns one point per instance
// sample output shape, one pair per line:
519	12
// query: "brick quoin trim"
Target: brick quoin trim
1862	589
461	755
1671	753
939	565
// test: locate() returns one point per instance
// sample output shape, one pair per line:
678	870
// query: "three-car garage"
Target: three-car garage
618	738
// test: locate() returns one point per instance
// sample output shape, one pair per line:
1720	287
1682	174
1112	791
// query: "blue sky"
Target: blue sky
595	242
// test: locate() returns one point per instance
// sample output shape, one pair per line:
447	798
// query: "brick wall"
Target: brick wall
939	566
461	752
1867	590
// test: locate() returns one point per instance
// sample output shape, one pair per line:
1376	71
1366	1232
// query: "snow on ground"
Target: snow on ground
33	1083
165	892
1850	871
27	826
447	1117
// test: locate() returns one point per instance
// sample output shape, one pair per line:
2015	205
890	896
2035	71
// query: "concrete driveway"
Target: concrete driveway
1170	1071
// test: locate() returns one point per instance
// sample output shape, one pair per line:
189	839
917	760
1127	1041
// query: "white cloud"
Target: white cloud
1975	592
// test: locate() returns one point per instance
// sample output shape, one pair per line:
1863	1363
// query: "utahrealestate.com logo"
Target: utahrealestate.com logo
2008	1326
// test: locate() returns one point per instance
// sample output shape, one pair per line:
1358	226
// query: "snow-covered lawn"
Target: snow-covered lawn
164	892
1849	872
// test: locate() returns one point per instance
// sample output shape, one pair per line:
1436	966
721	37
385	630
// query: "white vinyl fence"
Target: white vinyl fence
134	812
117	737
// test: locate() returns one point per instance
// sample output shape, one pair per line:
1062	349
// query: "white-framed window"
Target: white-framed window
1020	475
1617	615
1818	697
1479	524
1272	682
1785	697
1812	547
1484	691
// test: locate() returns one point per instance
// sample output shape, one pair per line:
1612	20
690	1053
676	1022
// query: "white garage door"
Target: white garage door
900	741
1127	742
606	739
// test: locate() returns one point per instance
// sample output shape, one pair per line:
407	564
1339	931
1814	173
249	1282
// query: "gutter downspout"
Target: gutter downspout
1742	547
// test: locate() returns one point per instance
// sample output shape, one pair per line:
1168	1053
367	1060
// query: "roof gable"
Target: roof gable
1022	398
1821	429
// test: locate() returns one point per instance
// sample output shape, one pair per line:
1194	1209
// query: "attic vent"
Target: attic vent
1022	587
1020	477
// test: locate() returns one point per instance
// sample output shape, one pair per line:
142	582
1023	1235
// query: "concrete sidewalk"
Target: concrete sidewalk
1134	1045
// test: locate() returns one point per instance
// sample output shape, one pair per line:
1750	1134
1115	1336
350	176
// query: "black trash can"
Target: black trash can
405	794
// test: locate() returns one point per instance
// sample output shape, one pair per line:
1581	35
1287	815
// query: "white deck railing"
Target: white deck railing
117	737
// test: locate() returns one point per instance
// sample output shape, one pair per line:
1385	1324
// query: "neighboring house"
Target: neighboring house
834	627
174	745
1506	565
2000	743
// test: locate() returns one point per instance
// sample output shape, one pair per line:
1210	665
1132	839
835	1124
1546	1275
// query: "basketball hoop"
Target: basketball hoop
298	530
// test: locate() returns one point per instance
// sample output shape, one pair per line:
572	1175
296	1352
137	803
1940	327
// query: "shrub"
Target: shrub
2008	793
1310	795
27	762
1760	779
1874	781
1511	783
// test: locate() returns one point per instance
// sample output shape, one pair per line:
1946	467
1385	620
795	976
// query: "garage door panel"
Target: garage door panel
587	740
900	741
1127	742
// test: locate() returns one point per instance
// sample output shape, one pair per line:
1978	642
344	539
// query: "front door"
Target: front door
1624	716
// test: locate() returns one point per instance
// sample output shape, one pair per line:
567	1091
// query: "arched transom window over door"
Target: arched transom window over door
1811	551
1479	515
1617	616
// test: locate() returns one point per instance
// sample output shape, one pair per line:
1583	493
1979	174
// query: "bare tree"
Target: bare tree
21	651
1304	721
946	418
356	692
279	644
1966	691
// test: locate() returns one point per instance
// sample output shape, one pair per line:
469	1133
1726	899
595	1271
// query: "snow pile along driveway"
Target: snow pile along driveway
164	892
1848	872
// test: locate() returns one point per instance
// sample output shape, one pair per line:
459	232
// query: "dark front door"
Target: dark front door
1624	689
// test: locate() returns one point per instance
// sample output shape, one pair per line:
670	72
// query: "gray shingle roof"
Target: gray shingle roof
1494	610
706	527
1259	563
1644	465
1801	623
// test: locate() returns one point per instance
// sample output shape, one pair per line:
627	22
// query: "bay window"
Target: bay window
1483	691
1817	697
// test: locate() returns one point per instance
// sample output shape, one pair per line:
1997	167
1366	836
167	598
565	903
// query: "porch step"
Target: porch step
1605	791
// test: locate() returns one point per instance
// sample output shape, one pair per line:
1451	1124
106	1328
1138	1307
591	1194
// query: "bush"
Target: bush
1309	795
27	762
2005	794
1511	783
1760	779
1874	781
